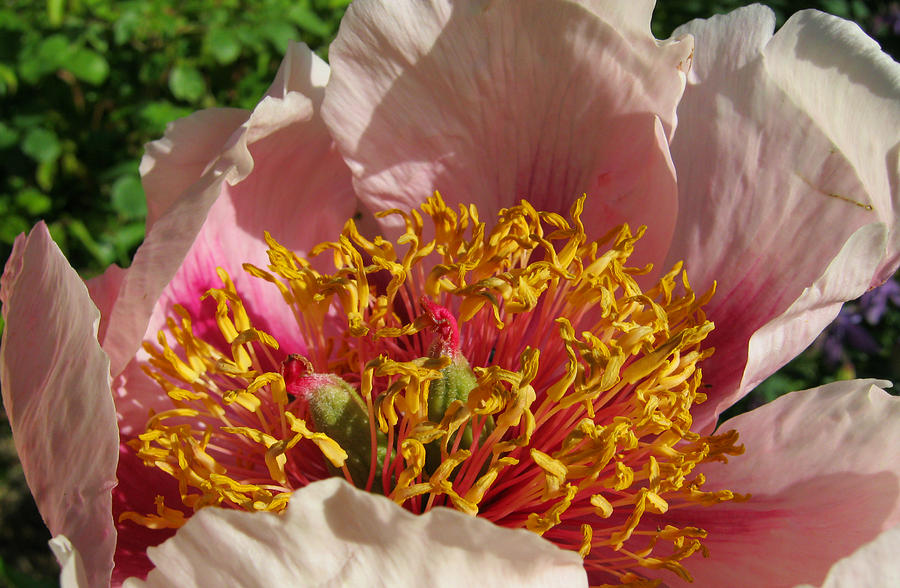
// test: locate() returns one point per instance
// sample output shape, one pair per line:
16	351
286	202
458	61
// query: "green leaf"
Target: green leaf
837	7
861	11
88	66
279	34
34	202
128	197
96	36
186	83
55	12
8	135
308	20
126	239
60	235
12	19
41	145
11	225
157	115
54	50
47	56
223	45
8	81
45	174
126	25
102	252
251	37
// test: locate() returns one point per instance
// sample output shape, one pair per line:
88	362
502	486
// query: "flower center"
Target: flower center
517	373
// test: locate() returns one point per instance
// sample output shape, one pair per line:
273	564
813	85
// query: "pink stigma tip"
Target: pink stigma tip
296	370
443	323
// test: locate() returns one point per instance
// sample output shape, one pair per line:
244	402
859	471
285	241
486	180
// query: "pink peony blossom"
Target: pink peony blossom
785	148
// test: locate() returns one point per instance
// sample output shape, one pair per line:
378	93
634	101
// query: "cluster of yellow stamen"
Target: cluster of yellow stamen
580	416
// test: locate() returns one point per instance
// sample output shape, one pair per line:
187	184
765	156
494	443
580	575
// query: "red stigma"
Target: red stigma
443	323
296	369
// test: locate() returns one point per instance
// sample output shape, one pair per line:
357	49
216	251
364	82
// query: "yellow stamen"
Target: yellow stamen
581	412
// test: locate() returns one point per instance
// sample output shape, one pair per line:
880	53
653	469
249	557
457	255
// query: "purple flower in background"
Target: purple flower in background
849	330
846	330
888	19
873	304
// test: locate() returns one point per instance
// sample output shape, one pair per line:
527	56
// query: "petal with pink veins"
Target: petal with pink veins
491	102
758	176
295	167
822	468
844	279
55	383
169	169
333	534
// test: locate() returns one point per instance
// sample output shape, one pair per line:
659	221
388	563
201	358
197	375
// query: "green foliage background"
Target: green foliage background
84	84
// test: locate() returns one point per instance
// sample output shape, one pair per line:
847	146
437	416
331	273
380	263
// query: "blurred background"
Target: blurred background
84	84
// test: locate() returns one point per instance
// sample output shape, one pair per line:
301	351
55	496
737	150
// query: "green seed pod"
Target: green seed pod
337	410
456	382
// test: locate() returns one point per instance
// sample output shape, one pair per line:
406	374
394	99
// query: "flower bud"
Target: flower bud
335	409
456	382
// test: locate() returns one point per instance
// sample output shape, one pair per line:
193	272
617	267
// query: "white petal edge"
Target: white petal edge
172	163
71	573
874	564
335	535
158	258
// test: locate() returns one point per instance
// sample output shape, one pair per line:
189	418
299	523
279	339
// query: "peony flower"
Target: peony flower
503	348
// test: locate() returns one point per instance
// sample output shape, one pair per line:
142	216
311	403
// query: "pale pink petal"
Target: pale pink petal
634	15
72	574
491	103
169	169
159	257
780	339
296	169
766	199
873	564
822	468
172	164
847	427
269	173
335	535
55	383
104	291
842	80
